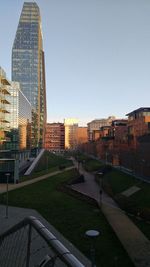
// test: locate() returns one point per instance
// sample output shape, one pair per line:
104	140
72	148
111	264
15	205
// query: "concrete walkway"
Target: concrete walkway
132	239
35	180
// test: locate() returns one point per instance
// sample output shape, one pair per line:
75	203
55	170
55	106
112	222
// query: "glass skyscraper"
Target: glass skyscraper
28	67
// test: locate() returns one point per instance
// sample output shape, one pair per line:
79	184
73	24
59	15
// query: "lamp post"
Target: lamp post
47	162
100	174
92	234
7	180
142	167
106	157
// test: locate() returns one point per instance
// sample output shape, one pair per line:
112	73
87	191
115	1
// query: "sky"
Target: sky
97	55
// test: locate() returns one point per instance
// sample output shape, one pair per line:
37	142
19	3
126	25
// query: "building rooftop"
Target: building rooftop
146	109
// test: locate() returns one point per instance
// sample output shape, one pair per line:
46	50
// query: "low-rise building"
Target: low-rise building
95	126
138	124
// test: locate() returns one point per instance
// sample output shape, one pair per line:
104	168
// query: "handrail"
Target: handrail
63	253
32	166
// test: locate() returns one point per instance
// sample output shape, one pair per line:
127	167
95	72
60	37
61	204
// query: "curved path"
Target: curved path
3	187
134	241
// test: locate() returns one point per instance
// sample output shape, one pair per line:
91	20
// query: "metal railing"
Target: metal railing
30	244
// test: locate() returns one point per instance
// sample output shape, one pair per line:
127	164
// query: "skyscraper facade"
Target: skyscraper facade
28	66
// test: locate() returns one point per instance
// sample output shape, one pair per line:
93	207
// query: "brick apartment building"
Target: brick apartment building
95	126
126	142
55	137
82	135
138	125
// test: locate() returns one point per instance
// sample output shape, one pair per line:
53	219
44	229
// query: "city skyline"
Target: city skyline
97	56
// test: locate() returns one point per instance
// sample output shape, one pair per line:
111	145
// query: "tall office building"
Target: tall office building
28	67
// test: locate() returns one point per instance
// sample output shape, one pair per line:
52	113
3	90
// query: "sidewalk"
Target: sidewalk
37	179
132	239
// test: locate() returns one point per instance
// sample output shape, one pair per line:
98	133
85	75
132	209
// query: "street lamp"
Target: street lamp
100	175
92	234
47	161
106	157
7	180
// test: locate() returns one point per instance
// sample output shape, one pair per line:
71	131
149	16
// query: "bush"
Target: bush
145	214
126	204
62	167
77	179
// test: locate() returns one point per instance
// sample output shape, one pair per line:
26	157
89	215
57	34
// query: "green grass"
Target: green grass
50	160
92	165
89	163
48	163
143	226
115	182
142	197
119	181
72	217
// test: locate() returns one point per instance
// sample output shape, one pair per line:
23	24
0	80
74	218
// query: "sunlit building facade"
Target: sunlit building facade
71	133
55	137
28	67
4	109
15	125
138	124
95	125
20	118
82	136
15	117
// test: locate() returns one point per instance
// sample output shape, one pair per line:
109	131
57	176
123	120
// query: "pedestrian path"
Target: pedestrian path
11	187
133	240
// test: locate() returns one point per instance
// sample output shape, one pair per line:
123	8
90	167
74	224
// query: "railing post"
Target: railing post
28	246
7	181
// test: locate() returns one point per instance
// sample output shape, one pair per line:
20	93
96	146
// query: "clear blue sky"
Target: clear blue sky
97	55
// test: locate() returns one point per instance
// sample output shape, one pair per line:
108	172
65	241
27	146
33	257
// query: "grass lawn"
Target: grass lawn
143	226
92	165
116	182
48	163
89	163
119	181
50	160
72	217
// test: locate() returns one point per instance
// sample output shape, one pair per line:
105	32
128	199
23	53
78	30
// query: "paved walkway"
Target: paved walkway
37	179
133	240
